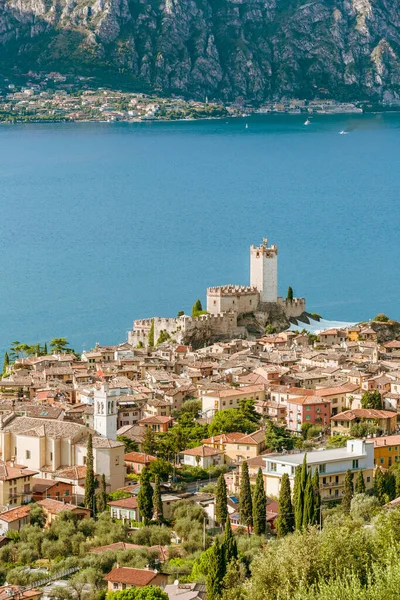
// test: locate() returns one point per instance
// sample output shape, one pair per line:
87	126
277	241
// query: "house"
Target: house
186	591
121	578
386	450
203	456
17	591
385	419
51	488
14	519
52	508
136	461
75	476
46	445
15	484
214	401
125	509
246	447
338	396
307	409
331	464
331	337
157	424
392	346
219	442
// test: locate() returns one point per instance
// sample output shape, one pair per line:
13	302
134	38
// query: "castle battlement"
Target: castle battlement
230	289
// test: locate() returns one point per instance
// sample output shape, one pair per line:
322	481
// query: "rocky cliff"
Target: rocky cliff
256	49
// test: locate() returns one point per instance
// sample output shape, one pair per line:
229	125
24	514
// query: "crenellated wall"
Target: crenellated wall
292	308
236	298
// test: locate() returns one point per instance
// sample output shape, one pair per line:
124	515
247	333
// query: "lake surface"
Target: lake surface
104	223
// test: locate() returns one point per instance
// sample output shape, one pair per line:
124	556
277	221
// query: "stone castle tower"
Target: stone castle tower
105	413
264	271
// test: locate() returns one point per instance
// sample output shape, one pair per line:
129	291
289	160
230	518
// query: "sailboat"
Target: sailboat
307	122
247	125
343	132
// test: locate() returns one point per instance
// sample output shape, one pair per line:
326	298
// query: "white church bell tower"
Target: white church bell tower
264	271
105	413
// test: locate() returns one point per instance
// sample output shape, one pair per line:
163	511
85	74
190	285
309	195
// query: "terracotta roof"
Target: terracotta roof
124	502
363	413
56	506
202	451
138	577
248	389
18	592
223	438
74	472
392	344
15	513
389	440
252	438
139	457
14	472
339	389
156	419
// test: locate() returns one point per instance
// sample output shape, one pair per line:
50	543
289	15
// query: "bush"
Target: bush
381	318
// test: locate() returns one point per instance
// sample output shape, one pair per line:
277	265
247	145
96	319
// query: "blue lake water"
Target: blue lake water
104	223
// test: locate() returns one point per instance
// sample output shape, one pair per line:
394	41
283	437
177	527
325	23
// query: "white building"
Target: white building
264	271
105	412
331	464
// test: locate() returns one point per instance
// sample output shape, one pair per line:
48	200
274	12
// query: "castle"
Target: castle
230	307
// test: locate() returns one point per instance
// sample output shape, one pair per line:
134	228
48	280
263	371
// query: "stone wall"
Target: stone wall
294	308
236	298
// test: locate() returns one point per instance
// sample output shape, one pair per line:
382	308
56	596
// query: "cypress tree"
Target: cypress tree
379	486
285	523
360	483
221	507
90	483
259	505
6	362
348	491
157	502
289	294
297	500
308	507
216	572
197	308
397	482
150	340
229	545
102	495
245	501
45	349
145	496
390	485
317	498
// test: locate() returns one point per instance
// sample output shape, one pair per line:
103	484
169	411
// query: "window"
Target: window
355	464
307	417
272	467
382	460
115	586
27	454
66	493
368	479
51	456
390	461
390	448
117	460
322	468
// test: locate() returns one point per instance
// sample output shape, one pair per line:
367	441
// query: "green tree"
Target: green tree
130	445
259	505
397	483
36	516
379	486
45	349
180	313
197	308
348	491
145	496
317	498
308	506
371	400
360	483
149	443
390	485
245	500
229	546
277	438
289	294
231	419
381	318
298	499
102	495
221	507
6	362
139	593
216	572
90	482
59	345
285	523
269	329
157	502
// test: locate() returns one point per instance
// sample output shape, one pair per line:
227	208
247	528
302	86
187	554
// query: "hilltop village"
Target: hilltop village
131	466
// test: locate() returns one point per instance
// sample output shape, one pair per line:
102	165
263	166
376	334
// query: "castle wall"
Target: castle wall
293	308
238	299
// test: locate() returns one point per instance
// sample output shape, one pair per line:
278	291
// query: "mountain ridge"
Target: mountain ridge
226	49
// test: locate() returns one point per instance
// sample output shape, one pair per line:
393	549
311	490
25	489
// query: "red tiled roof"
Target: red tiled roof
202	451
15	513
363	413
139	457
156	419
56	506
139	577
124	502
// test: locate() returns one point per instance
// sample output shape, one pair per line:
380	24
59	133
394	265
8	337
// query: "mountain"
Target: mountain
255	49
